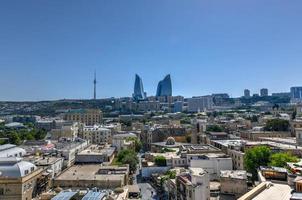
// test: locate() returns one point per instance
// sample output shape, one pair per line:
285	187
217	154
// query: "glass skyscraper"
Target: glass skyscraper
164	87
139	93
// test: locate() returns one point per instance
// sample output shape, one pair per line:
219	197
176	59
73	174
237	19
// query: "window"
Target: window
26	172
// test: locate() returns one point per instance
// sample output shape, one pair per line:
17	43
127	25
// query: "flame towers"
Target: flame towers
139	93
164	87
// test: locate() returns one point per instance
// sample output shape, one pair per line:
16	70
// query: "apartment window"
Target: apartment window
1	191
26	172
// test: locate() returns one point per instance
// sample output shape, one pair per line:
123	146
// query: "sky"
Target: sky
49	49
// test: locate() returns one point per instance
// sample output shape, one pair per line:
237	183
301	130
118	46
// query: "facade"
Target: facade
96	154
121	141
54	165
247	93
20	179
194	185
70	131
199	104
68	150
88	117
264	92
164	87
96	134
139	93
233	182
299	136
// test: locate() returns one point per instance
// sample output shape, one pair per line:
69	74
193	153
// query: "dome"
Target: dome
15	167
170	141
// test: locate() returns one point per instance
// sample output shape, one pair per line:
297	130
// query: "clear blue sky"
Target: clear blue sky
50	48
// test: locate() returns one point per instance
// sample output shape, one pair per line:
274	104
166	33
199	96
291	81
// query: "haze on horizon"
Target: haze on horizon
50	49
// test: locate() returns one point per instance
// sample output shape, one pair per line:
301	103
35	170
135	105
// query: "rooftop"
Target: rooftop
234	174
98	150
275	191
93	172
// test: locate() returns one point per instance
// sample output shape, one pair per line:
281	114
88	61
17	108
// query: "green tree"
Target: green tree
256	157
137	143
160	161
128	157
14	138
277	125
132	161
214	128
280	159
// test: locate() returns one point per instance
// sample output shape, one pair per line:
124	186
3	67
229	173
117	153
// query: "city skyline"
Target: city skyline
50	49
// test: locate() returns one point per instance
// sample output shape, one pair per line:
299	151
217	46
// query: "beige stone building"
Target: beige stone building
21	180
233	182
88	117
89	176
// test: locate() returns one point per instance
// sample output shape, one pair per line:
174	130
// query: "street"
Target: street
146	188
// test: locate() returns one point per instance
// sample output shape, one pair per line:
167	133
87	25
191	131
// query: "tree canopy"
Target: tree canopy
160	161
280	159
215	128
277	125
256	157
128	157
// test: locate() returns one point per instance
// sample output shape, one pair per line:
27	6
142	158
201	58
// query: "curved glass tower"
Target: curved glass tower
139	93
164	87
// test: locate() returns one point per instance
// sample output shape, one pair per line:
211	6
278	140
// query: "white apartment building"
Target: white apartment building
212	163
194	185
97	134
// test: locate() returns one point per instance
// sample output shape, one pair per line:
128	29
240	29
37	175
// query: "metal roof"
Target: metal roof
91	195
64	195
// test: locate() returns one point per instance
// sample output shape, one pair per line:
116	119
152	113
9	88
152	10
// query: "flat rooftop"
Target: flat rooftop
92	172
98	150
276	192
234	174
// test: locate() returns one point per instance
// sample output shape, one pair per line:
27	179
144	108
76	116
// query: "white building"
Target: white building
97	134
194	185
70	131
198	104
212	163
120	141
10	150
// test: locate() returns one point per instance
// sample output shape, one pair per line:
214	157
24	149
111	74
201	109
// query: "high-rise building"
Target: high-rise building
264	92
296	94
139	93
164	87
247	93
200	104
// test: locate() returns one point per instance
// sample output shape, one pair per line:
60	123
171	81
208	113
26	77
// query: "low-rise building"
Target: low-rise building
21	179
194	185
123	141
96	154
233	182
88	176
97	134
11	150
68	149
69	131
212	163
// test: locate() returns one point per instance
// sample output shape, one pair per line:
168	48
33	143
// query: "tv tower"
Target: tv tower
94	83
